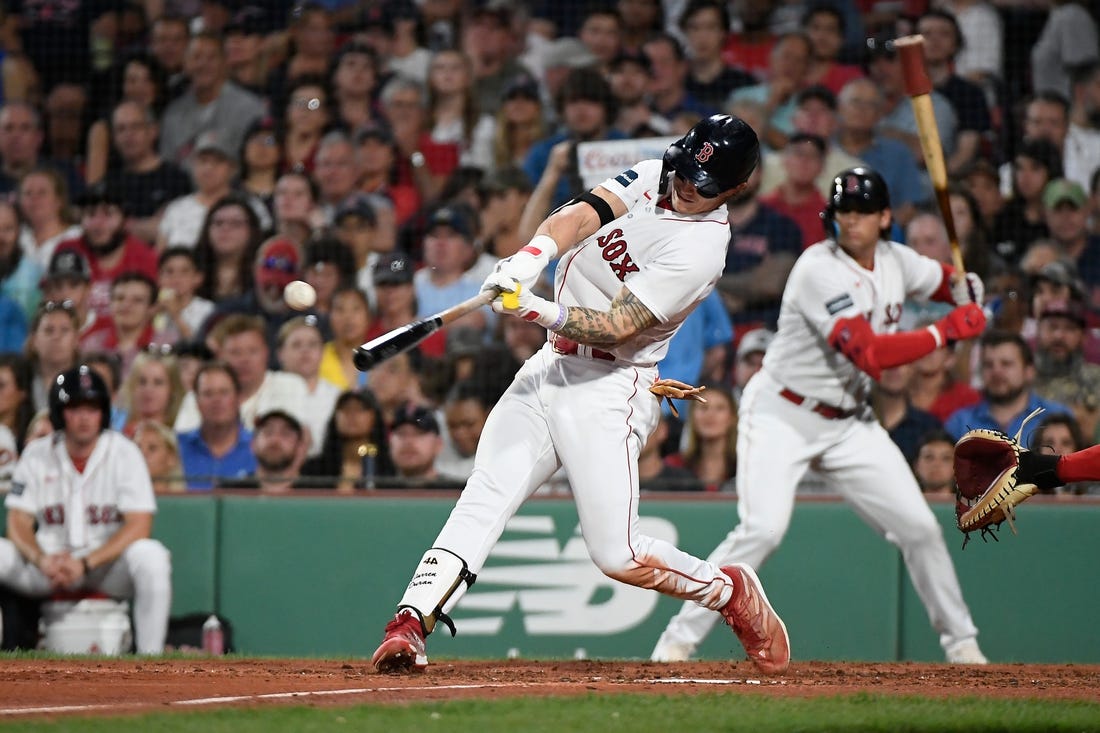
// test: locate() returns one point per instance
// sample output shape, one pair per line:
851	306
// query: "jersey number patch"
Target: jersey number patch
613	246
839	303
627	177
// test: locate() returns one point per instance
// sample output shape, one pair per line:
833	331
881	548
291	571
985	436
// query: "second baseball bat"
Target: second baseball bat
919	88
404	338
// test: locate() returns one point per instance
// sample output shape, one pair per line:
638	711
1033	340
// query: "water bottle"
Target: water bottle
213	638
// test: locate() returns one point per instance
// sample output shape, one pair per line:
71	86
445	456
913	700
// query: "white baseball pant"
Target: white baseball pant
592	417
776	442
143	572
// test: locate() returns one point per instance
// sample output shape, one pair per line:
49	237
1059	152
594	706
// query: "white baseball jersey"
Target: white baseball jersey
647	250
826	285
76	511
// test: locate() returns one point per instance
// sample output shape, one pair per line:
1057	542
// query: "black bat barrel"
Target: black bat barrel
391	344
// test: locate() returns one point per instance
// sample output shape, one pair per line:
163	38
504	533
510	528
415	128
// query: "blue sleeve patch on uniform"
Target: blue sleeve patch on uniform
17	488
839	303
627	177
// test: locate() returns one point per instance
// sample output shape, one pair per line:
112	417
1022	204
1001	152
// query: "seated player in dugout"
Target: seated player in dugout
639	253
809	405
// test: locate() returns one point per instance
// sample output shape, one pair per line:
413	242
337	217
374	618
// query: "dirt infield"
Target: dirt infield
34	688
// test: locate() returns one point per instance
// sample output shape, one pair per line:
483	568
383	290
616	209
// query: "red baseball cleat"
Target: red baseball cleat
755	622
403	648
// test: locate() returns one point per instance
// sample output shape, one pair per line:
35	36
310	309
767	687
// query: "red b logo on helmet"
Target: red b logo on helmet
704	153
851	184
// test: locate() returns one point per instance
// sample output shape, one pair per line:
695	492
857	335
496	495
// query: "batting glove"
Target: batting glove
499	283
520	302
527	264
967	289
965	322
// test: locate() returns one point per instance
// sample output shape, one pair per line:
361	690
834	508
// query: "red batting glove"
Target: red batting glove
965	322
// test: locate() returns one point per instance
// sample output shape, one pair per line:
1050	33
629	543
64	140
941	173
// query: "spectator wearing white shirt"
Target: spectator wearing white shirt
242	343
212	170
299	350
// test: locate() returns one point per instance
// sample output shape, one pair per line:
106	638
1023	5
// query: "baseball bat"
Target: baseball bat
919	89
406	337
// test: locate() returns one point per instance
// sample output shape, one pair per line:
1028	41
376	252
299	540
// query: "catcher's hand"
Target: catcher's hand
670	389
994	474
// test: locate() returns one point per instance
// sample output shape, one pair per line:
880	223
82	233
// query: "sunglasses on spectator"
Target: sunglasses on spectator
312	104
281	264
54	305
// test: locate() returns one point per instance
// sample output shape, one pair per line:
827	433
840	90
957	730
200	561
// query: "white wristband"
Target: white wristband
545	245
563	313
936	335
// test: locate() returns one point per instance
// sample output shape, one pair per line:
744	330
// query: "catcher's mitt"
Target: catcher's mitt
993	475
670	389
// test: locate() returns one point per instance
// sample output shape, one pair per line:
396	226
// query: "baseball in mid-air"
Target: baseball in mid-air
299	295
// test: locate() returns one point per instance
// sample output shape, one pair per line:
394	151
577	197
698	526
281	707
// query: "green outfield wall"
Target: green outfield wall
320	575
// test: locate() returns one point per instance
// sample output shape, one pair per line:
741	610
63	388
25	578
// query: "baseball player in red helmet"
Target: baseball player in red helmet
639	252
838	329
88	491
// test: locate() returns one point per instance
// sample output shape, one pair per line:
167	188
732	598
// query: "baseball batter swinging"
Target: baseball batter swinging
809	403
639	252
87	489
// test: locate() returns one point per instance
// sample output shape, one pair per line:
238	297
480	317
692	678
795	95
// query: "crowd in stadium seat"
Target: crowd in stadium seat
169	166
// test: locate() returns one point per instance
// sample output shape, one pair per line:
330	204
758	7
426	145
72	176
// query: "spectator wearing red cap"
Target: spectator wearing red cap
277	263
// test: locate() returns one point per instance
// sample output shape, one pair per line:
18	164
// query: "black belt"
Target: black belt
569	347
826	411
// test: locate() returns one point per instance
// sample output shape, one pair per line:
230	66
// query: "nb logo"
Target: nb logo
553	586
431	561
704	153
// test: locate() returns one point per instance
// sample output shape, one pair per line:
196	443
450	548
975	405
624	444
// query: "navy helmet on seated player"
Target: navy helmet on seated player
81	385
717	154
855	189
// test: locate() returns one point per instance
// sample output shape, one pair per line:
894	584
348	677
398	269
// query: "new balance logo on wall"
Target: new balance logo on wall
557	589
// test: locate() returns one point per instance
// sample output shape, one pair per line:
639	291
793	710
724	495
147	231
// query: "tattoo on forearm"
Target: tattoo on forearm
601	329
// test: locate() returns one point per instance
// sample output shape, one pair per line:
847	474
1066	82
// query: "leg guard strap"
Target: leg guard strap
440	580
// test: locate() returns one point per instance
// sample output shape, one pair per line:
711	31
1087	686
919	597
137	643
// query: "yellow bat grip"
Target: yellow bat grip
511	300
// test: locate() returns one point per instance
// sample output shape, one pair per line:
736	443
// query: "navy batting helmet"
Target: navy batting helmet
79	386
856	189
718	154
